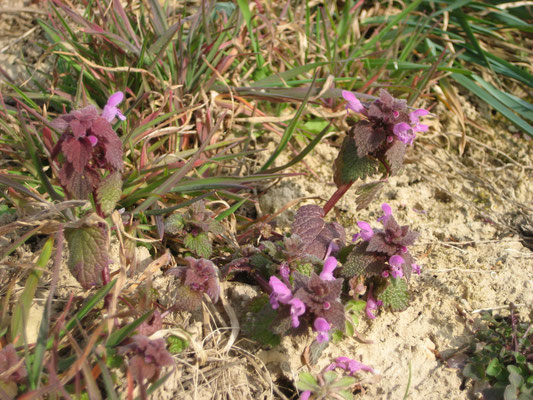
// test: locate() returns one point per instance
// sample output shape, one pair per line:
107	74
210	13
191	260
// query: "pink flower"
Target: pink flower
416	268
387	211
349	365
322	327
366	231
305	395
371	304
111	110
93	140
353	102
413	117
404	133
396	262
280	292
297	309
329	267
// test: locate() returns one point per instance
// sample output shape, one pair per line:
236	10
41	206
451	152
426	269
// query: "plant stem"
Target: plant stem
337	196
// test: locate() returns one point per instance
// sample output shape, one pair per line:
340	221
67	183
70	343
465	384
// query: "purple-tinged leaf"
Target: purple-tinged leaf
109	192
88	253
111	143
368	137
308	222
78	185
77	152
394	155
377	243
146	357
366	193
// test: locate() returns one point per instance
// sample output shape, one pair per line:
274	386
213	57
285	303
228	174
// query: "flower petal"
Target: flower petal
115	99
329	267
353	102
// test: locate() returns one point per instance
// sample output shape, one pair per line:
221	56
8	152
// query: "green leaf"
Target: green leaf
176	344
345	394
396	295
344	382
361	263
259	321
88	253
515	376
330	377
510	392
349	167
199	244
109	191
494	368
174	224
306	381
22	308
118	336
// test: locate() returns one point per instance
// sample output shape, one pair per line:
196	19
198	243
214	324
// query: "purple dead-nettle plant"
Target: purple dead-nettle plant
382	257
375	144
199	277
146	357
335	382
310	300
12	370
90	148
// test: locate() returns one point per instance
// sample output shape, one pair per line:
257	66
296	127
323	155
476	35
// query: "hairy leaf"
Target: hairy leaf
308	222
102	129
395	296
367	137
259	321
359	262
78	152
174	224
394	155
349	166
109	192
366	193
199	244
88	253
377	243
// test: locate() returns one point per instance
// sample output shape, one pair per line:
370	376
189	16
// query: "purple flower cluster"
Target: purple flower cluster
316	296
88	143
392	113
391	246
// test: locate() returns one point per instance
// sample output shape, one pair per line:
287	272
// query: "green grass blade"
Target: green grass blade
493	102
86	309
22	308
287	135
118	336
229	211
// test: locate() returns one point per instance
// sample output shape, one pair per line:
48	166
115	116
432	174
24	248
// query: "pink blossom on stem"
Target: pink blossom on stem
349	365
297	309
111	110
416	268
329	267
371	305
353	102
366	231
322	327
396	262
305	395
280	292
387	211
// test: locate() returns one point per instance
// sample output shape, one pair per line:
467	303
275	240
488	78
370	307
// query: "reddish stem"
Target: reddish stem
337	196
